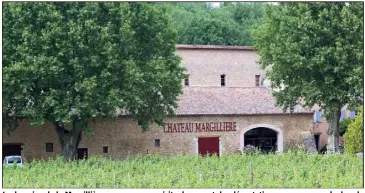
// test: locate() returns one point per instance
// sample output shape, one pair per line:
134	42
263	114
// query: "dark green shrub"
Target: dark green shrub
344	125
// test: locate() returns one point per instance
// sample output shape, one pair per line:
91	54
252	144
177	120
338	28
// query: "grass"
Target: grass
288	170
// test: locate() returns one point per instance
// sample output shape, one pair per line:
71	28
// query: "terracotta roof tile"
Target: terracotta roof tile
229	101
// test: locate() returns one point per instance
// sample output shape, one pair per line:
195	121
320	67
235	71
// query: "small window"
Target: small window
105	149
257	80
223	80
186	80
157	142
49	147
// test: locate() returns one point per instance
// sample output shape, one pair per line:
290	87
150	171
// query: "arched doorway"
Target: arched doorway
266	137
263	138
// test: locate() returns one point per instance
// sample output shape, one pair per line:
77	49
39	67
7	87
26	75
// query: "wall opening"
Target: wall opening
208	146
317	141
223	80
82	153
12	149
257	80
157	142
264	139
186	80
49	147
105	149
263	136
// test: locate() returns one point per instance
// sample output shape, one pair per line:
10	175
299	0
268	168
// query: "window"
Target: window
352	114
14	159
49	147
186	81
105	149
257	80
317	116
157	142
223	80
343	115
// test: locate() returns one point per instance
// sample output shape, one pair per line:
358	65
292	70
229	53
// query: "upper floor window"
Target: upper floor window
186	80
223	80
257	80
317	116
157	142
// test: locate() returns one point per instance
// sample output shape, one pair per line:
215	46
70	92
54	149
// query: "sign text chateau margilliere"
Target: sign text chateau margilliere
199	127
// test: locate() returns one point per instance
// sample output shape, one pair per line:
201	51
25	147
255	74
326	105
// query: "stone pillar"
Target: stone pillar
196	144
220	147
280	142
309	142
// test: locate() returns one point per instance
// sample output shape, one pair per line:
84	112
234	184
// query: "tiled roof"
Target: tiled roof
212	47
229	101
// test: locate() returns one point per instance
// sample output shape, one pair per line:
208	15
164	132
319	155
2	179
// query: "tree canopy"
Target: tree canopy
67	62
229	24
315	53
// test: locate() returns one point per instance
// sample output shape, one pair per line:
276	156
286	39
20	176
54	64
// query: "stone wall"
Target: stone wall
124	136
205	67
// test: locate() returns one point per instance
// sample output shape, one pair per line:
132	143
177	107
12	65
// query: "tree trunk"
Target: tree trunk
334	131
69	140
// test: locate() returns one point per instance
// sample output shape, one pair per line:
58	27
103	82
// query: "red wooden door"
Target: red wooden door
208	146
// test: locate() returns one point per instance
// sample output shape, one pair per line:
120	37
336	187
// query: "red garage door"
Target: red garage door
208	146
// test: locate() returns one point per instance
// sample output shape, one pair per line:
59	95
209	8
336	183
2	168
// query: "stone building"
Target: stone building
321	125
225	106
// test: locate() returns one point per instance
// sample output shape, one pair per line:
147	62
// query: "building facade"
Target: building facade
321	125
225	106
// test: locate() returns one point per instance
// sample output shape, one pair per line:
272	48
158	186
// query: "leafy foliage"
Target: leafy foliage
354	141
289	170
198	23
344	125
68	62
313	51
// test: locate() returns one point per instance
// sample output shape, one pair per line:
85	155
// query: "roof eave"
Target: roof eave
243	114
212	47
238	114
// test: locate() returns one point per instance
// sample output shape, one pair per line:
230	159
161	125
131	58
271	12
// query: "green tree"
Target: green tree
212	32
354	141
230	24
68	62
314	51
344	124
